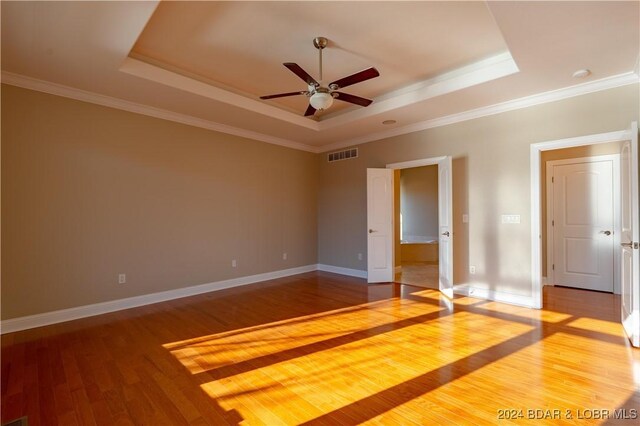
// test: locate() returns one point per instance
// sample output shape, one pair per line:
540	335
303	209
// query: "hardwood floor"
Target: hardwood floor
320	348
419	274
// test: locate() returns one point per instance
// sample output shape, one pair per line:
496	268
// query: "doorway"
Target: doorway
629	234
582	196
381	221
416	230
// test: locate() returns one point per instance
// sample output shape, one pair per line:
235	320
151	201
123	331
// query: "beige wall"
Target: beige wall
89	192
491	177
419	201
565	154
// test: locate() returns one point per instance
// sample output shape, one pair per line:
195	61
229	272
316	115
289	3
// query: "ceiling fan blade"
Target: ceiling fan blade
356	78
282	95
310	111
353	99
297	70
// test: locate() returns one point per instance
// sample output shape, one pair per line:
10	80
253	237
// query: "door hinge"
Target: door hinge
553	179
553	223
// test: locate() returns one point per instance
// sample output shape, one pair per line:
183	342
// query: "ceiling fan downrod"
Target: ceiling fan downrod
320	43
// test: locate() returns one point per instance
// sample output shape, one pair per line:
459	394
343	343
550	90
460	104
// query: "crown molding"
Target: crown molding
541	98
108	101
479	72
173	79
473	74
528	101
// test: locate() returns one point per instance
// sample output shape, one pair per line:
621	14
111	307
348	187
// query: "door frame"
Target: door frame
536	199
432	161
615	159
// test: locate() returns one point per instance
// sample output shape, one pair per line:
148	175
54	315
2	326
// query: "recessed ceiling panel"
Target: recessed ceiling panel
241	45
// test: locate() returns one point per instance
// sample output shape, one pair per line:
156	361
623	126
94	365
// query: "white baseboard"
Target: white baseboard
545	281
497	296
342	271
48	318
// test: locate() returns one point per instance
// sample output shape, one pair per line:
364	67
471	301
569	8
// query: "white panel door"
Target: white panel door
445	222
630	257
380	225
583	225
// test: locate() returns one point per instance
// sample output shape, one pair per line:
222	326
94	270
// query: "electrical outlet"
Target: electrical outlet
472	270
122	278
234	263
284	256
465	218
359	256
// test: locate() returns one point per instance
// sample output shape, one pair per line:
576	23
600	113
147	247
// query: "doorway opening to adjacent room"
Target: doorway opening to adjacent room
585	225
383	225
416	226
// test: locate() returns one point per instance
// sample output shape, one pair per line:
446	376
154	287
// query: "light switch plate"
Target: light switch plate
510	218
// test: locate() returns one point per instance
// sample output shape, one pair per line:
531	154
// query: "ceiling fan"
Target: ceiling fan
321	97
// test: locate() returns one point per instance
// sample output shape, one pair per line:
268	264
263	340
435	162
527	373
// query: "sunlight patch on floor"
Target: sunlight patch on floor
586	370
536	366
226	349
636	370
601	326
468	301
326	380
545	315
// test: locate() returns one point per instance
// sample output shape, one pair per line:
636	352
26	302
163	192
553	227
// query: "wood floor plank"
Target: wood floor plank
325	349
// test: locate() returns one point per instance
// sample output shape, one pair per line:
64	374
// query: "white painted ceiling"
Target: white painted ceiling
242	46
212	60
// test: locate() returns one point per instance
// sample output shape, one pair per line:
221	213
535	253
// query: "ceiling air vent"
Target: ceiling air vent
343	155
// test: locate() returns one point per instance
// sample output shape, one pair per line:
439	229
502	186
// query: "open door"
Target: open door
445	221
630	238
380	225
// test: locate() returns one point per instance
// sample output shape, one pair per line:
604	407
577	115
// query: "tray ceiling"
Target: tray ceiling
241	46
207	63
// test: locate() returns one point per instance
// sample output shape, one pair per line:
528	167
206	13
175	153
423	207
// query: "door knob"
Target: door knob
606	232
446	233
371	231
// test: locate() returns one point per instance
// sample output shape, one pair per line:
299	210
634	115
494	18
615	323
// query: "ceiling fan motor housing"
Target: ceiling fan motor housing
320	42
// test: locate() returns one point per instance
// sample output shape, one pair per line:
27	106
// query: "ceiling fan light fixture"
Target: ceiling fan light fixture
321	100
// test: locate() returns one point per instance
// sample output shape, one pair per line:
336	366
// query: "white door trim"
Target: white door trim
630	297
433	161
437	161
536	217
615	159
